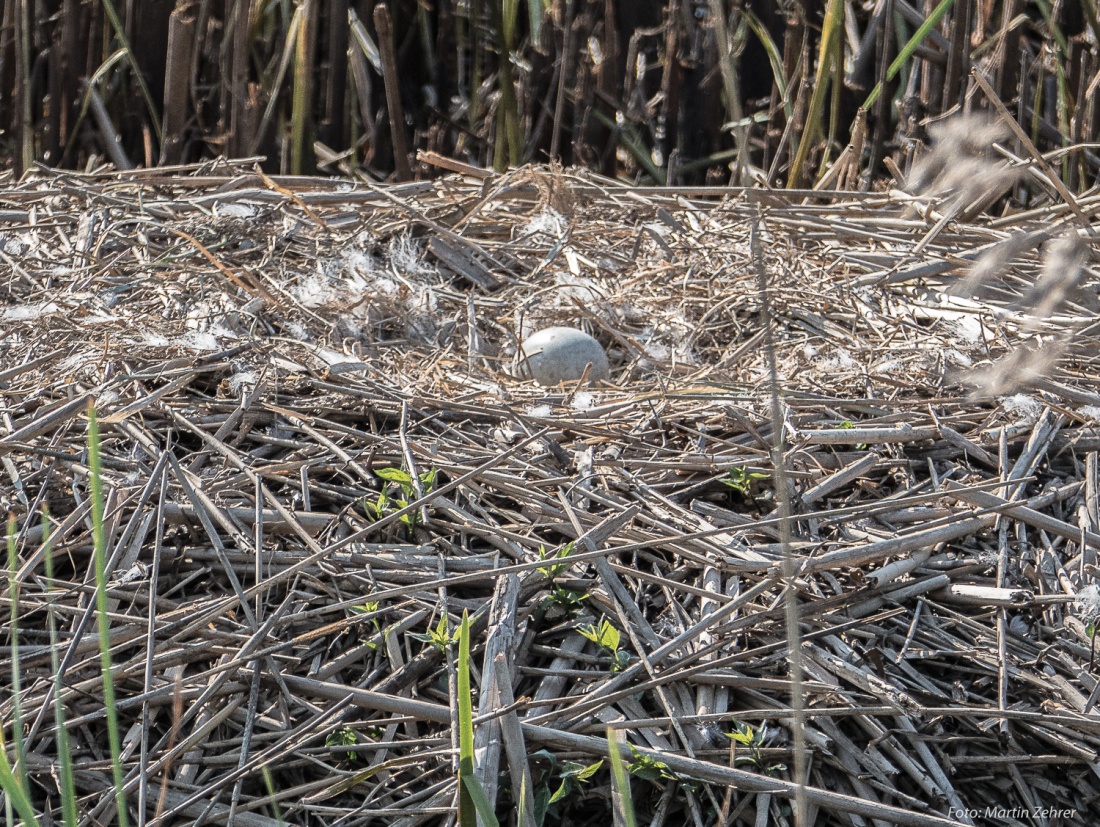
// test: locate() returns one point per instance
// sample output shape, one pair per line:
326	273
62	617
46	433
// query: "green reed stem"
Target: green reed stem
99	543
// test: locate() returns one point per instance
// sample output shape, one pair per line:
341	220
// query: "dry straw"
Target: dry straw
260	351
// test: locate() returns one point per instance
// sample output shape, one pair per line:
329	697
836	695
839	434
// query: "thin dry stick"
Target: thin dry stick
783	502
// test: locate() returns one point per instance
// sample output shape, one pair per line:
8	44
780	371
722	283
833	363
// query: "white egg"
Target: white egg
560	354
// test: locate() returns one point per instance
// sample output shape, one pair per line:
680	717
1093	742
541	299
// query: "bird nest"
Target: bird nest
314	460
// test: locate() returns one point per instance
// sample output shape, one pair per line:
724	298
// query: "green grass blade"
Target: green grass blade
509	18
1064	96
482	805
774	58
1047	11
620	781
99	544
280	75
522	816
361	37
472	799
13	789
830	54
16	682
834	120
907	51
120	33
467	811
65	758
534	14
269	783
86	99
509	133
629	138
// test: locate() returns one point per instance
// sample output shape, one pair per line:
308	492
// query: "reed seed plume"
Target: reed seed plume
962	167
972	134
995	262
1062	279
1018	369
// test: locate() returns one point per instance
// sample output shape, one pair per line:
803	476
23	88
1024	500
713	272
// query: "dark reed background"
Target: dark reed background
675	93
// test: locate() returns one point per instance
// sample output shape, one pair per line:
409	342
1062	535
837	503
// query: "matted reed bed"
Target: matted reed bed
314	461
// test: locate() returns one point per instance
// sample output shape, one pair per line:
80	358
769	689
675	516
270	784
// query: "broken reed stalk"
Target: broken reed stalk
391	80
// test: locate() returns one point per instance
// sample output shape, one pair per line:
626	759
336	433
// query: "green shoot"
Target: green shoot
377	510
389	500
752	739
1090	630
534	18
369	607
441	636
127	49
633	143
829	63
741	479
649	768
366	607
573	777
522	818
344	737
565	601
509	131
607	637
541	775
554	569
405	481
774	58
848	425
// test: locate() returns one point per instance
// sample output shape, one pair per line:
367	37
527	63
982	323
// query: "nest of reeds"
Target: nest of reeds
313	461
